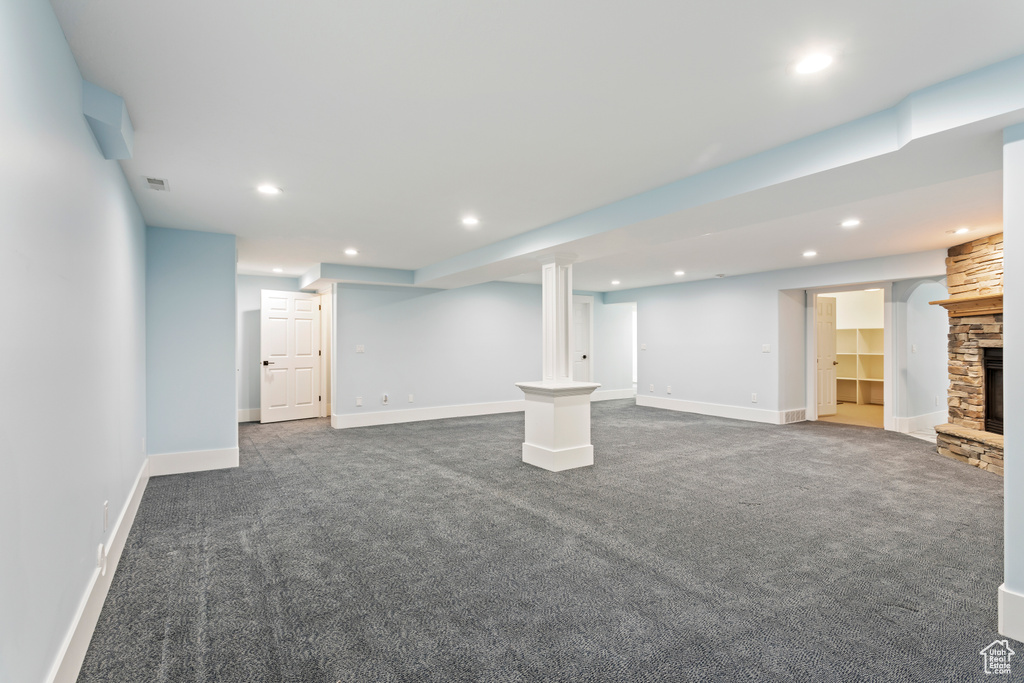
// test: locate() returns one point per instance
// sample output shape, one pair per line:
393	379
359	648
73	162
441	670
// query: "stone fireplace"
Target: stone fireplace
974	277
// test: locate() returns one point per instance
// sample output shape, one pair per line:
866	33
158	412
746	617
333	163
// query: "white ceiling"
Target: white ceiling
385	122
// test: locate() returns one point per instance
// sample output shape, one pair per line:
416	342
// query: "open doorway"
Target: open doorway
851	357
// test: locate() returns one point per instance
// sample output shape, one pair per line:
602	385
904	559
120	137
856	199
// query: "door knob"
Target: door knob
267	362
835	362
584	356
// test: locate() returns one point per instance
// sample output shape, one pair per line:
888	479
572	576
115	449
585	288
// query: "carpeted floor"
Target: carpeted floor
696	549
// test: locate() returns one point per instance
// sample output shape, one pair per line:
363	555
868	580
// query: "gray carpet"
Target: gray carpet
697	549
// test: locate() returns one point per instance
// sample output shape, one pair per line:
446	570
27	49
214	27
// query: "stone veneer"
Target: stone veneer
973	269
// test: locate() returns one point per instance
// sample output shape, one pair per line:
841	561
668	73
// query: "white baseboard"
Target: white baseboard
612	394
387	417
69	658
1011	613
249	415
735	412
920	423
192	461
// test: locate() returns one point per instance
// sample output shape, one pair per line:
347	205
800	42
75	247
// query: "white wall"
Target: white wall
247	356
860	309
705	339
73	408
190	341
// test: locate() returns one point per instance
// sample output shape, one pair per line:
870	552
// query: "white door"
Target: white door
825	333
290	356
581	338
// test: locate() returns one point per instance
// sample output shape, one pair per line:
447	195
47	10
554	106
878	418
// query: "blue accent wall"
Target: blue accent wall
72	266
190	341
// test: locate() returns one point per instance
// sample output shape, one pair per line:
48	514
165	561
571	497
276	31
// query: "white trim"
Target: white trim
388	417
558	460
735	412
920	423
68	662
192	461
249	415
1011	613
612	394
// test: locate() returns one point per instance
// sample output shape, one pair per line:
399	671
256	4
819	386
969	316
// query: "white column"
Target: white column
1011	593
556	295
557	408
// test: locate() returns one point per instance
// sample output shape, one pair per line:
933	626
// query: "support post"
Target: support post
1011	593
557	408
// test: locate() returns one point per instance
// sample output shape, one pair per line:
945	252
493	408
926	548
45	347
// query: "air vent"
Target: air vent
157	184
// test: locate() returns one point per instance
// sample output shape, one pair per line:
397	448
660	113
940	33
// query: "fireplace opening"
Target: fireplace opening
993	360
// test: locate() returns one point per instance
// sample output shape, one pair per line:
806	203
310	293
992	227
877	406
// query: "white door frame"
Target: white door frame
589	301
326	323
889	389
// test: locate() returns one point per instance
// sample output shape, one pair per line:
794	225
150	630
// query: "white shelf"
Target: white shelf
861	356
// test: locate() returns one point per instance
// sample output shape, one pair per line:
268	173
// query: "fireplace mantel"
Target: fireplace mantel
983	304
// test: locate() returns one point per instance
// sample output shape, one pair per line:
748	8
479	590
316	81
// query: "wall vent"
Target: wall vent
158	184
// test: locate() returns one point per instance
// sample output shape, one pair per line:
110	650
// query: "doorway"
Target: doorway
850	363
583	331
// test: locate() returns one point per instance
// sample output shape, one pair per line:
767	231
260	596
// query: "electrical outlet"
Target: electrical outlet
410	398
643	347
359	401
668	390
101	560
652	387
913	348
106	515
753	398
766	348
938	400
384	399
360	348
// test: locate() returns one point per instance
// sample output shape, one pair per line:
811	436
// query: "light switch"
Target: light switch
360	349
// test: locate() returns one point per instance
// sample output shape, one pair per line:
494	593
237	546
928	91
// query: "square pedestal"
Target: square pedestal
558	424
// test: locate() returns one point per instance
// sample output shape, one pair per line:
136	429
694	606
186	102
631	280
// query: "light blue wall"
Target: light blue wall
704	339
248	352
455	347
924	346
74	400
613	345
190	341
447	347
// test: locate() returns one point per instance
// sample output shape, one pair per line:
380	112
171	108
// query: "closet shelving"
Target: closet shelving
861	354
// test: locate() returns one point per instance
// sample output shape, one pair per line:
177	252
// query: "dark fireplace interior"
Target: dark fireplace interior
993	360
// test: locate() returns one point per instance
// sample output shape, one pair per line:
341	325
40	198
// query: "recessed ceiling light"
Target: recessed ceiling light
960	231
850	223
616	282
679	272
470	221
269	189
278	270
813	63
809	254
351	252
